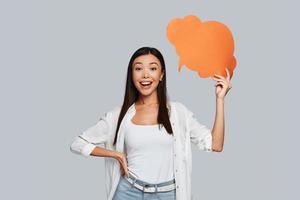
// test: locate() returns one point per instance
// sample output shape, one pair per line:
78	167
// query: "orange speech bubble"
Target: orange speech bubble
205	47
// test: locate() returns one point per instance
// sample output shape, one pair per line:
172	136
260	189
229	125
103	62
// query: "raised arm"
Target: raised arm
223	85
218	128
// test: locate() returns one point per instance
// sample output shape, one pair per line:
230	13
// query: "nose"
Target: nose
145	74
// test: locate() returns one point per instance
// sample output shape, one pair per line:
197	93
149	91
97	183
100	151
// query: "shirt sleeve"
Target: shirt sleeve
97	134
199	134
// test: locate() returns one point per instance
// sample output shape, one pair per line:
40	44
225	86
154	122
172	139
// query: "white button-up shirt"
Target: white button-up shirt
186	129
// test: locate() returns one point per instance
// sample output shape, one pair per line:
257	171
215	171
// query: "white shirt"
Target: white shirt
149	150
186	129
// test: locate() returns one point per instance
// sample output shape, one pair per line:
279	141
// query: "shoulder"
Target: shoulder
115	111
110	114
178	105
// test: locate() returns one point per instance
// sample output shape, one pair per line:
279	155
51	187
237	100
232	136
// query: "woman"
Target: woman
146	142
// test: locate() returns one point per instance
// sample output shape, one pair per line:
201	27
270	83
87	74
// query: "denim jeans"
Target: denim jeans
127	191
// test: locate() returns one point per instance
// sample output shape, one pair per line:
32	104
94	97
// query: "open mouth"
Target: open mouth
146	84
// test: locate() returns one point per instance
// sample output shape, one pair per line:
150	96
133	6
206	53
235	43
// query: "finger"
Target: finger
219	84
127	174
124	165
216	79
223	84
219	76
228	74
123	172
224	80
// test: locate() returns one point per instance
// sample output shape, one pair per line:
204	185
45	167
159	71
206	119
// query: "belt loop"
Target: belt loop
133	181
155	188
143	191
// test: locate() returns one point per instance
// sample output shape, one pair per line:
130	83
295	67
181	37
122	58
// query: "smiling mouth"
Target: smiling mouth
146	84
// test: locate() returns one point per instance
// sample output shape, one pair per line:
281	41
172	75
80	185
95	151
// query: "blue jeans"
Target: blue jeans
127	191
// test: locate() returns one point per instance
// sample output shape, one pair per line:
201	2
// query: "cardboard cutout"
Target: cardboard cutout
205	47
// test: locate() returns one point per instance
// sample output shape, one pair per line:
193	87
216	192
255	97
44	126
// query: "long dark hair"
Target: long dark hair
132	94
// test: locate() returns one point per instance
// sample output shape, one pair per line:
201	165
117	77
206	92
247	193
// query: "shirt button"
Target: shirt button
175	154
177	186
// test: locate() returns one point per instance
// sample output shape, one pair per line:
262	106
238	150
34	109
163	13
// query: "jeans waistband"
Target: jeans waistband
143	183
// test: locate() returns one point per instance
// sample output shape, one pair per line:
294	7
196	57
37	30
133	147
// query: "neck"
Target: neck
148	100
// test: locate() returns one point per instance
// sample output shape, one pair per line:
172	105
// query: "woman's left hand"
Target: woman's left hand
223	85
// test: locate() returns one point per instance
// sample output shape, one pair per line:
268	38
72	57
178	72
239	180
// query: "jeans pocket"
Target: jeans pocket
124	185
170	195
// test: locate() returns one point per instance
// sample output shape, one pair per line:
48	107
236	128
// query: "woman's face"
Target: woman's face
146	74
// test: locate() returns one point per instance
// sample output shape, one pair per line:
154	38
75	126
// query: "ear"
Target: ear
162	75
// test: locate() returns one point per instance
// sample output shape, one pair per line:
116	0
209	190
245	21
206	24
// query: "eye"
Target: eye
137	68
153	68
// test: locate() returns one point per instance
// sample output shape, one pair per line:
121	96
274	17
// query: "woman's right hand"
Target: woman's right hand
121	157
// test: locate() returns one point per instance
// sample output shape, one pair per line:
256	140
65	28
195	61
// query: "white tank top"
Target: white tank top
149	152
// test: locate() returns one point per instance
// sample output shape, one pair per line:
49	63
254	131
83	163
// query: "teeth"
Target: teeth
146	83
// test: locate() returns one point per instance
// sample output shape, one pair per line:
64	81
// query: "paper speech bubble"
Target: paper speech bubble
205	47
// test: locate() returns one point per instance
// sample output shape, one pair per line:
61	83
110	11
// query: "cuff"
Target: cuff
208	143
87	149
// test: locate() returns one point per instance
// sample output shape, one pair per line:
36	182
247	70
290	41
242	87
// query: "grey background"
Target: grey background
63	64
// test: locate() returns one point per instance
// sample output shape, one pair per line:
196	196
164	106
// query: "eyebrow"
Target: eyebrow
149	63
